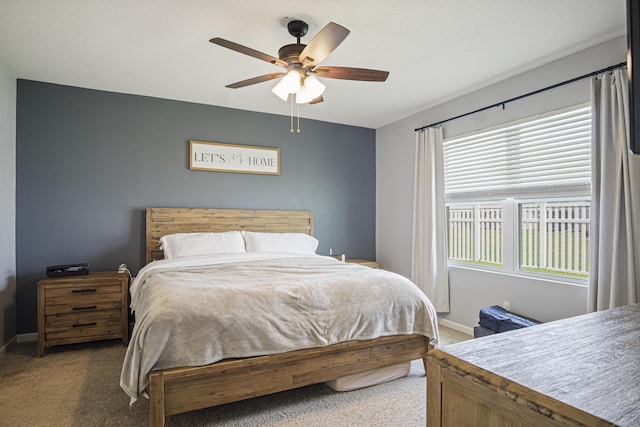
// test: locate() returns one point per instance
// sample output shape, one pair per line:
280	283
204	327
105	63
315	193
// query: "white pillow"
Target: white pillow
190	244
280	242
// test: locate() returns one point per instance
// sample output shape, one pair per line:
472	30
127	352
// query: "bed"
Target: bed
251	365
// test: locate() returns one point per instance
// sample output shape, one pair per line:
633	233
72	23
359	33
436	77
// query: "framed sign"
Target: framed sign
214	156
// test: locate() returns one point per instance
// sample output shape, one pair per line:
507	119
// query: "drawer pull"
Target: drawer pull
83	291
80	325
89	307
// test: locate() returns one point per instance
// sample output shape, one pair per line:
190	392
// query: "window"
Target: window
517	195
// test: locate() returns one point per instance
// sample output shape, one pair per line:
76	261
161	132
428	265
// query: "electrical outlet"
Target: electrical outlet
506	305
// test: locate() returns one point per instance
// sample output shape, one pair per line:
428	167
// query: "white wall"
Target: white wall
7	205
472	289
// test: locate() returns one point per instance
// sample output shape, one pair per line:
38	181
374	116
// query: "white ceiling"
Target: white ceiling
434	49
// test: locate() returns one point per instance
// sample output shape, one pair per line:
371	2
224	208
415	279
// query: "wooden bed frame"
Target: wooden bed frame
178	390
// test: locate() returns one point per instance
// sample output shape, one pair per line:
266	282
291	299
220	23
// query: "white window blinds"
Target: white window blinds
545	155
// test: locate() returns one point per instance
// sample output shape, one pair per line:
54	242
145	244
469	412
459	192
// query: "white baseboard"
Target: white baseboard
29	337
456	326
3	349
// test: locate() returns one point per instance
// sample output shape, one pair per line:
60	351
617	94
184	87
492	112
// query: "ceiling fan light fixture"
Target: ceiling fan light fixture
291	81
314	86
281	91
303	95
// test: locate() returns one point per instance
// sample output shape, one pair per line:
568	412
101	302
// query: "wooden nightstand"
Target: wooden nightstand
83	308
368	263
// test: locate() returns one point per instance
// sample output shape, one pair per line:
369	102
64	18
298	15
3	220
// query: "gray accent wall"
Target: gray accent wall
7	206
90	162
471	288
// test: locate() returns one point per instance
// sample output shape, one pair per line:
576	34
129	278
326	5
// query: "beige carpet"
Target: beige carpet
78	385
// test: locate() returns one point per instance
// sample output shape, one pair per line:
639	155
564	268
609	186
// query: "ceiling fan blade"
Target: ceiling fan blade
348	73
248	51
255	80
323	44
316	100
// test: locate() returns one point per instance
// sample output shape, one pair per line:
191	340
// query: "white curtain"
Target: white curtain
429	254
614	259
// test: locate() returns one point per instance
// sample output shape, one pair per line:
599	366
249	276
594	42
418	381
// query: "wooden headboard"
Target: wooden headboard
163	221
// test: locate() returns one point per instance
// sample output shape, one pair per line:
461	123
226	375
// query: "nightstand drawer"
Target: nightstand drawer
80	306
83	299
69	319
64	293
86	325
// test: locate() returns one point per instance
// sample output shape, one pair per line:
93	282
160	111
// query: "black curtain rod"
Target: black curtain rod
498	104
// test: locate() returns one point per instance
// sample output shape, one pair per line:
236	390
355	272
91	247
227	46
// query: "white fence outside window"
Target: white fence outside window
555	237
475	235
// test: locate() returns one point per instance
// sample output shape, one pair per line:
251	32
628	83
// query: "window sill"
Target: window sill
570	281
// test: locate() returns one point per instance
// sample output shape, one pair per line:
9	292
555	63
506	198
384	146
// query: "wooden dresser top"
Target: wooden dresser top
591	362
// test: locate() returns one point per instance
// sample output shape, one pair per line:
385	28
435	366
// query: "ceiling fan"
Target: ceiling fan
300	63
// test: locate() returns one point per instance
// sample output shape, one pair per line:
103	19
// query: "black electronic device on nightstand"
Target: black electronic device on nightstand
67	270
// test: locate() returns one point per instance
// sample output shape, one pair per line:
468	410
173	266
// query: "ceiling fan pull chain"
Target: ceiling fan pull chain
298	117
291	112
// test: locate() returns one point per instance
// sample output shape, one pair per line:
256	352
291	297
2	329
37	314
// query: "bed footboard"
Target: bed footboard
179	390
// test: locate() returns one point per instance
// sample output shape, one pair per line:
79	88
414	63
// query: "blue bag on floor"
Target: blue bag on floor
498	319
